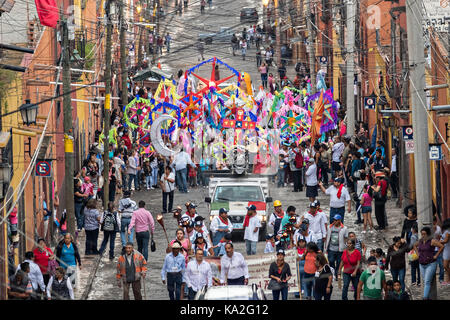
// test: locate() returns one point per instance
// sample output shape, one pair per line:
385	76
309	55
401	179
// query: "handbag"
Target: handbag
152	245
274	285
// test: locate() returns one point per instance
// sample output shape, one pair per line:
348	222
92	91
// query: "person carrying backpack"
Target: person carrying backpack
110	225
296	166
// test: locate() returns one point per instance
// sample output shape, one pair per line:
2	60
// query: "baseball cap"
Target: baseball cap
313	204
223	210
281	251
198	223
337	217
252	207
199	235
311	160
192	205
269	236
340	180
176	245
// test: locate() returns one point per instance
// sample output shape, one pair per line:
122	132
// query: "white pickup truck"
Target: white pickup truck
237	193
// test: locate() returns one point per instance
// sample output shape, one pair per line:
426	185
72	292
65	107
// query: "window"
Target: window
238	193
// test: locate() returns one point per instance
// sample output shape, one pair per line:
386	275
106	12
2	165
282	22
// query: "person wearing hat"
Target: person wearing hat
251	230
279	274
276	217
173	269
233	267
198	274
270	243
219	227
311	180
191	213
126	209
304	233
379	195
201	243
339	195
336	241
317	224
131	266
200	229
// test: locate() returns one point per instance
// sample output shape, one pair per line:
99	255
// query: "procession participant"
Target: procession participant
184	241
200	228
59	286
338	197
279	274
143	222
323	279
198	274
219	227
35	276
173	269
131	266
350	262
251	227
167	183
191	213
126	209
372	282
317	224
270	244
42	256
303	233
276	217
311	180
68	256
19	286
335	243
233	267
201	243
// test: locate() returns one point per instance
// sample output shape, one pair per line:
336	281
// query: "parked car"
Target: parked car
250	292
249	14
224	35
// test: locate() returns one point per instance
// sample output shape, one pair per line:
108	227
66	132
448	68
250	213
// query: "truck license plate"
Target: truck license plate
238	225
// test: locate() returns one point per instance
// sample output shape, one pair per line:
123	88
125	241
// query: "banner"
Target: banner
258	269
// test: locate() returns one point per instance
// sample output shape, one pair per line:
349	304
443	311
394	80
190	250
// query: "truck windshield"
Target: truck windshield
238	193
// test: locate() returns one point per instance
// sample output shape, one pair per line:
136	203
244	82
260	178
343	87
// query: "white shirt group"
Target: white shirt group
336	202
317	224
233	268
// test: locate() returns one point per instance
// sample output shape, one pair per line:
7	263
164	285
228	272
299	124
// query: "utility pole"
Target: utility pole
123	67
107	106
350	67
420	119
311	49
156	29
277	33
68	133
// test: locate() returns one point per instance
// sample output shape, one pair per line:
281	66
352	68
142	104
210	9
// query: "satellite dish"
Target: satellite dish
155	135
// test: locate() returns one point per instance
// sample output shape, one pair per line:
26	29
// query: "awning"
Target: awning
4	138
155	73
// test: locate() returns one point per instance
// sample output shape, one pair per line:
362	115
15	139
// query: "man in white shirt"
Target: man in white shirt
198	274
311	180
168	187
219	227
35	276
317	224
181	161
251	227
337	150
233	268
338	197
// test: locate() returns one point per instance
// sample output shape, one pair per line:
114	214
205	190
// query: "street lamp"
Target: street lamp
28	112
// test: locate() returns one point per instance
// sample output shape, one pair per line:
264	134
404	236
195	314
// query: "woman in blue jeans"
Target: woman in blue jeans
395	259
280	274
350	262
425	249
309	269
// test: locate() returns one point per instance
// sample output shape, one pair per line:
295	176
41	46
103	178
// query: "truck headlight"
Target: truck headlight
262	218
211	218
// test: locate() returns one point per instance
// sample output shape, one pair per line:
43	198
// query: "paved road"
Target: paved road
104	285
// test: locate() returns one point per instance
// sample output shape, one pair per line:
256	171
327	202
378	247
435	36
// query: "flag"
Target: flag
48	12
